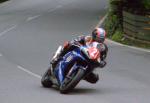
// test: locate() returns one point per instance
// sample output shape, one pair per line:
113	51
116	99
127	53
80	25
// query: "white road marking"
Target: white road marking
7	30
57	7
32	17
13	27
29	72
36	16
101	21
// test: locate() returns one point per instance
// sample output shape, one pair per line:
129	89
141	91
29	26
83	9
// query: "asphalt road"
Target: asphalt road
30	32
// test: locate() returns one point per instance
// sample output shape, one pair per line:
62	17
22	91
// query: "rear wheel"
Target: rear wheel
70	83
45	81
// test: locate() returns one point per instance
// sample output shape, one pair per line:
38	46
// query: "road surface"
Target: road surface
30	32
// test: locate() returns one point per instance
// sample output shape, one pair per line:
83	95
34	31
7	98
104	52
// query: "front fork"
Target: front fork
74	69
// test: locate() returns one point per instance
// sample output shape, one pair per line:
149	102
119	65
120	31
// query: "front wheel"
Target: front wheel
45	81
70	84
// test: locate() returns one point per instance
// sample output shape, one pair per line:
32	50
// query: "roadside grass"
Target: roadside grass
118	37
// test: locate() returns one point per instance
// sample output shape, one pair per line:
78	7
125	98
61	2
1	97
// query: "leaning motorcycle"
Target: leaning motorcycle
71	68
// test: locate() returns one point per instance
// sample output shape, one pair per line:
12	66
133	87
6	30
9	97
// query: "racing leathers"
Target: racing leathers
82	40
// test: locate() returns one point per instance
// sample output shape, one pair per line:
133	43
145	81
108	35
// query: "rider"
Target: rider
98	35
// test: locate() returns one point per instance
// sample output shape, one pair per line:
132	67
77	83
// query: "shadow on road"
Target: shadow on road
84	91
76	91
100	91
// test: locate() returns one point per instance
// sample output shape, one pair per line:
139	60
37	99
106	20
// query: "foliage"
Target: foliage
111	24
118	35
146	4
114	20
114	17
140	7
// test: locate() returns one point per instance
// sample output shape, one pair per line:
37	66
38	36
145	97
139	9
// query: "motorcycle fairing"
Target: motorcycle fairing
70	57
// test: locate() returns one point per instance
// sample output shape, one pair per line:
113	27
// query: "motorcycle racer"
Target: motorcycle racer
98	35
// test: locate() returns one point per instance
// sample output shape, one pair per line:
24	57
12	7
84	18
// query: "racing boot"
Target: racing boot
92	78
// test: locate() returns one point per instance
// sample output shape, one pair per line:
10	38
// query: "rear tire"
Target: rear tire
69	85
45	81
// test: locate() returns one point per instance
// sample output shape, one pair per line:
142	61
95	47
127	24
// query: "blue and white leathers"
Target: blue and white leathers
71	57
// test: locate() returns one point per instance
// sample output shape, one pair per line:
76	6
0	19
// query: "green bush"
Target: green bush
111	24
118	35
114	21
140	7
146	4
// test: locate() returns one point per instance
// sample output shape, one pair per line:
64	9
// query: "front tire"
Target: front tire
45	81
70	84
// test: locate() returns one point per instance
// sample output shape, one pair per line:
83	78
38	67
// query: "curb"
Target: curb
131	47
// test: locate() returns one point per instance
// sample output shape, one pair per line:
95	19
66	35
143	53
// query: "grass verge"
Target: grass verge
118	37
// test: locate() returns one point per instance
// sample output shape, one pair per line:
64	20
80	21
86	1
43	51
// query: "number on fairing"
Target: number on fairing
93	51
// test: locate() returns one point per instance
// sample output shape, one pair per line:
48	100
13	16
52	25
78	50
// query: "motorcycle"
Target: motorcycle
71	68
